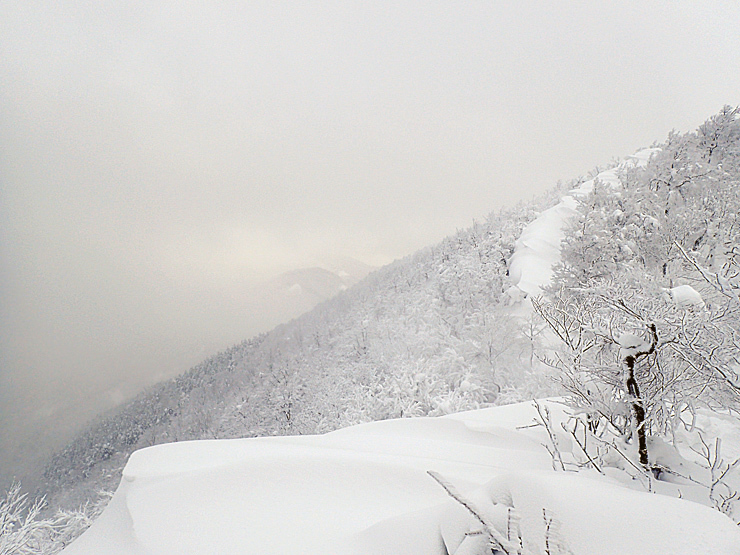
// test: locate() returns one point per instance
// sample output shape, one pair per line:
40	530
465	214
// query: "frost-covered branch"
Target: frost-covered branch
497	538
583	445
721	495
720	283
546	421
24	531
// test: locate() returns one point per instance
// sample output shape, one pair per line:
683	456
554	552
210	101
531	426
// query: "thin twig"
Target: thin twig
496	537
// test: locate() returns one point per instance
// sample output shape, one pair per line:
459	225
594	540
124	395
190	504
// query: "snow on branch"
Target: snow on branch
498	540
720	283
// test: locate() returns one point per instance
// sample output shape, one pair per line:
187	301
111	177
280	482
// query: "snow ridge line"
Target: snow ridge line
537	250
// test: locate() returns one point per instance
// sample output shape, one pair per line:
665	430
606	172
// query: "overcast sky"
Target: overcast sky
159	158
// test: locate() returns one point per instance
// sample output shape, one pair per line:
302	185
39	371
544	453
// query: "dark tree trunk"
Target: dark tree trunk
638	409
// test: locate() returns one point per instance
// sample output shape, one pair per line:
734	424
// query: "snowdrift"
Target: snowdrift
366	490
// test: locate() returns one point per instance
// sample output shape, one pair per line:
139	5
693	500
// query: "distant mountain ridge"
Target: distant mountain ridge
292	293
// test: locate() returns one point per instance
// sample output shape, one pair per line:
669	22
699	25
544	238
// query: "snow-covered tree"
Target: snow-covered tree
655	263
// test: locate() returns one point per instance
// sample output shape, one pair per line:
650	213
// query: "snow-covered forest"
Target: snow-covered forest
617	294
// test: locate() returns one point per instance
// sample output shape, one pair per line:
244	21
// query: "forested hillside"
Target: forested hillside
436	332
649	272
427	335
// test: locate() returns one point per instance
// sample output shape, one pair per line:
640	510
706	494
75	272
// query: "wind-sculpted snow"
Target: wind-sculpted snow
538	248
365	490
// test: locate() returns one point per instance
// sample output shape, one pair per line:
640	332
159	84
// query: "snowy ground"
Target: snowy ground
366	490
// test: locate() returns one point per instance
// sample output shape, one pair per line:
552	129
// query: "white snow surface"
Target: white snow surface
685	296
641	157
538	248
365	490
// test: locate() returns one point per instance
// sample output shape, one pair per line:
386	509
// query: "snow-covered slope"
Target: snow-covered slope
429	335
538	248
366	490
422	336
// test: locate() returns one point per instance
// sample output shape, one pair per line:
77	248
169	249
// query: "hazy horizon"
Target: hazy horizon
159	160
